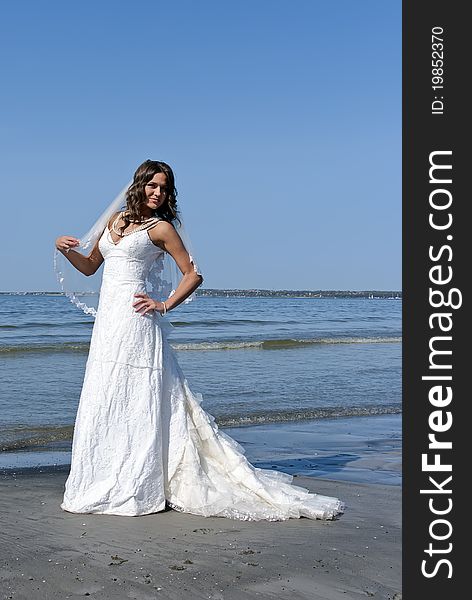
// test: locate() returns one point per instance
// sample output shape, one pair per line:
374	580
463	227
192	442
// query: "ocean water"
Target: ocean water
255	360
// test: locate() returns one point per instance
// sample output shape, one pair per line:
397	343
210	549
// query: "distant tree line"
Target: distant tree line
299	293
252	293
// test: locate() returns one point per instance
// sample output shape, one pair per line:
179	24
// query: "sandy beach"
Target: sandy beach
47	553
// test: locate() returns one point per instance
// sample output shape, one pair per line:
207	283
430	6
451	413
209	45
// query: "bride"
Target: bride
141	439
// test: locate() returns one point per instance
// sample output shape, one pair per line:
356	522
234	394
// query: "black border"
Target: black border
423	133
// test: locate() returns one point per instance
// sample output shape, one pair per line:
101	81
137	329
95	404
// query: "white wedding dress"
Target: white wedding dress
141	439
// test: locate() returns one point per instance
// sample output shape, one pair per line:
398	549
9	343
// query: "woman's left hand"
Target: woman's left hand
145	304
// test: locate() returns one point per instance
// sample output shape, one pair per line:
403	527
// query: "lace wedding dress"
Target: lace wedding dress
141	439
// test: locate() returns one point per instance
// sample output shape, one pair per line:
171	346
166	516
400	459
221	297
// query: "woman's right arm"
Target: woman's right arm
87	265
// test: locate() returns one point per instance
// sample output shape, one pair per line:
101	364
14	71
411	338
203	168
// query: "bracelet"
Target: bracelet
165	308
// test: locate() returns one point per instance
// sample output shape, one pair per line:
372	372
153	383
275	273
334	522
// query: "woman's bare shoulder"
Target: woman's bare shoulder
162	228
161	232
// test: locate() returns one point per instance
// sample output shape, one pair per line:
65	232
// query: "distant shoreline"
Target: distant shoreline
261	293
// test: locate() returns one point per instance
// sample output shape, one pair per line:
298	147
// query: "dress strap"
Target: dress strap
155	221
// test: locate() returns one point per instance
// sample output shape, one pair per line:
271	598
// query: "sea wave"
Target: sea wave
309	414
283	343
25	437
32	438
14	349
35	325
277	344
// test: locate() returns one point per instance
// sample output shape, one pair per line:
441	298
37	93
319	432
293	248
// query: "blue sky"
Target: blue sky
282	121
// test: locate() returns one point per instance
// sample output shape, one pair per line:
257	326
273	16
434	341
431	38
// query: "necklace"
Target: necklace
144	225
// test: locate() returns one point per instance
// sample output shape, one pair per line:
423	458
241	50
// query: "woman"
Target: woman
141	439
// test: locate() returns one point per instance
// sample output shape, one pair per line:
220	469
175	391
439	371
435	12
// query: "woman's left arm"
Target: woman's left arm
165	236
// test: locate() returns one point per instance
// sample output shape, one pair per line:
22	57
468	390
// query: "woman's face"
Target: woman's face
156	191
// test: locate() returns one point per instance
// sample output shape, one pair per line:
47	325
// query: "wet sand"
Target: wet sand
48	554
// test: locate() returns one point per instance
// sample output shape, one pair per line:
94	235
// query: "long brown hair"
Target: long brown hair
135	195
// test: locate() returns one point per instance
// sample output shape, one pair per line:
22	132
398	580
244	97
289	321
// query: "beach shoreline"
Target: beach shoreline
355	449
48	553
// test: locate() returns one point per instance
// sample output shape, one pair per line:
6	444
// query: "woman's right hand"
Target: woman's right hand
66	242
